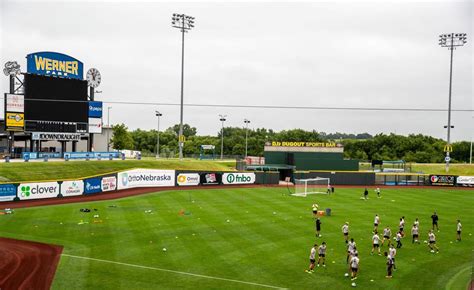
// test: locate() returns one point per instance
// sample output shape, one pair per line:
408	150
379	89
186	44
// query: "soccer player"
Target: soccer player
387	234
377	191
322	254
312	259
345	231
393	252
389	265
366	193
398	238
432	242
402	225
416	223
350	250
434	219
354	266
414	234
318	227
376	223
375	243
329	189
315	207
458	229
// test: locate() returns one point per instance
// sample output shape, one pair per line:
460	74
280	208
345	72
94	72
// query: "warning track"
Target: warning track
27	265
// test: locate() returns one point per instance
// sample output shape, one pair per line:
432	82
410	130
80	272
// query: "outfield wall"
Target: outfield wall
340	178
128	179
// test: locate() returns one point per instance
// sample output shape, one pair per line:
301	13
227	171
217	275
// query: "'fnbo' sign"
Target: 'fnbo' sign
54	64
238	178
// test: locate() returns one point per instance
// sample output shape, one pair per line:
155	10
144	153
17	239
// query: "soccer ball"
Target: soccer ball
426	242
346	275
353	284
164	250
228	221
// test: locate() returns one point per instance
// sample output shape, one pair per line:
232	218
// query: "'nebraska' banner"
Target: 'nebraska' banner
145	178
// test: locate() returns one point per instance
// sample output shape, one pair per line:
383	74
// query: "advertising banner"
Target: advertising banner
95	125
443	180
40	155
109	183
15	103
465	180
7	192
92	155
95	109
211	178
56	136
72	188
54	64
92	185
187	179
238	178
15	120
27	191
145	178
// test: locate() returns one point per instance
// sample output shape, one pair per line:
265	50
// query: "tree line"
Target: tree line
412	148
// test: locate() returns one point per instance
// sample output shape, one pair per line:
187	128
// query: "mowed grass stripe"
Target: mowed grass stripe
174	272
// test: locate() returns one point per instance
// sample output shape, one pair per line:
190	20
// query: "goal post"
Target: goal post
318	185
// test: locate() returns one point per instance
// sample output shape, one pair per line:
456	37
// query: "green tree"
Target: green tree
187	130
121	138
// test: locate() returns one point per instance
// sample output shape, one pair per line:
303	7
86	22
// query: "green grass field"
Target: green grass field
34	171
432	168
266	241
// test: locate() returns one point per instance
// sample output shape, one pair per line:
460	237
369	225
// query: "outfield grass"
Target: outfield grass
437	168
433	168
266	241
34	171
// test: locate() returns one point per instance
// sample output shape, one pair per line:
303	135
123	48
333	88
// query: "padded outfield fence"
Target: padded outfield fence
135	178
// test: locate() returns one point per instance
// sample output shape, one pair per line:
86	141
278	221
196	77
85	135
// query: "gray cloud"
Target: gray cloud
340	54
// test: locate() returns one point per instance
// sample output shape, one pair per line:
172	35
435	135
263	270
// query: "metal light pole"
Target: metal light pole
108	128
184	23
451	41
246	134
470	151
222	119
158	114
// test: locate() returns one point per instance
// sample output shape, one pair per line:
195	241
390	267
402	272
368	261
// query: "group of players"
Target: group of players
353	259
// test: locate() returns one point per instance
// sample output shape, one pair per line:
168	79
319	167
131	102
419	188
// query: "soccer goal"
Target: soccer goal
318	185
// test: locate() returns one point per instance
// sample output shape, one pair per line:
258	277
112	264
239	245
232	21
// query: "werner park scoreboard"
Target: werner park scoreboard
55	104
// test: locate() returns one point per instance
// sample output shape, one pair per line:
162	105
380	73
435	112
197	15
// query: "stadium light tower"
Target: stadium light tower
451	41
246	121
222	119
158	114
184	23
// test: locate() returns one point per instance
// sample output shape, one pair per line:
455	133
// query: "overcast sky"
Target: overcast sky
338	54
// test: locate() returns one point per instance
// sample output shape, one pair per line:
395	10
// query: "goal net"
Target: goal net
318	185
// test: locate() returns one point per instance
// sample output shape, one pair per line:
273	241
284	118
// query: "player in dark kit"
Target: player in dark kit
434	219
366	193
389	265
318	227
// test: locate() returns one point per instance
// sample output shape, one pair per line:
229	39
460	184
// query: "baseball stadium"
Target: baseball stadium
87	204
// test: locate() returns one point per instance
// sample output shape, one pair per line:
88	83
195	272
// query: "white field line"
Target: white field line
173	271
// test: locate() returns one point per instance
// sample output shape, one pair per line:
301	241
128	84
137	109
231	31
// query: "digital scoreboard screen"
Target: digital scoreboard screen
55	104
